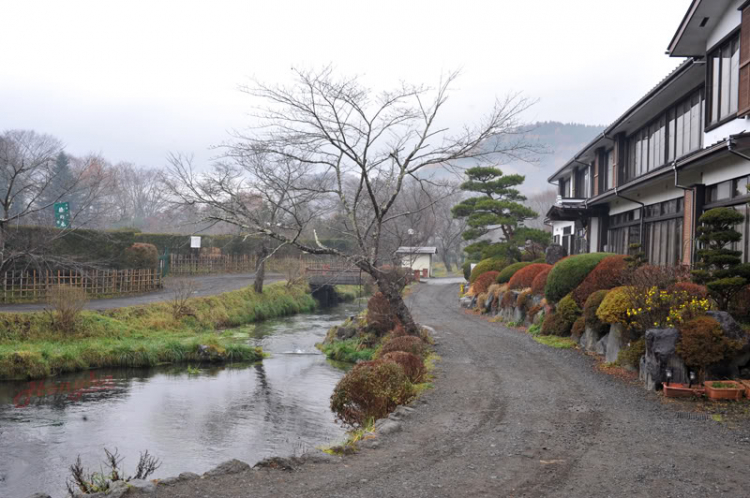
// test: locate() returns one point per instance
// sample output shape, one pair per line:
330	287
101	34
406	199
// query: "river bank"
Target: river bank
143	336
512	417
192	419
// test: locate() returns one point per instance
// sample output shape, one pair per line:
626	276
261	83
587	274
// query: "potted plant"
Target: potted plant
703	343
724	389
746	384
677	390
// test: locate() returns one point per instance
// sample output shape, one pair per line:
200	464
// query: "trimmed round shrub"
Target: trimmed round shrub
370	390
523	300
491	264
556	324
540	282
408	344
568	308
703	343
608	274
484	281
589	312
738	306
380	317
140	256
579	327
614	307
413	365
693	290
568	274
525	276
509	271
631	355
466	267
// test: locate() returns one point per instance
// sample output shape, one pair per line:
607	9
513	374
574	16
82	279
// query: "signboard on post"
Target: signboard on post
195	242
62	214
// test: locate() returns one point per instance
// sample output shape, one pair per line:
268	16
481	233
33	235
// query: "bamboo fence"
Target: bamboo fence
34	286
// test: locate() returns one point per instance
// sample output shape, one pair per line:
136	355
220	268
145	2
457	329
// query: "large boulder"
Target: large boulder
554	253
661	354
589	338
617	339
488	303
601	345
730	369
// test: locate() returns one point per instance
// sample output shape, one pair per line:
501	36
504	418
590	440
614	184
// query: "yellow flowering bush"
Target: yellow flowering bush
657	308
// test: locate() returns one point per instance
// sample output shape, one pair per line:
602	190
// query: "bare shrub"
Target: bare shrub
66	303
183	290
293	270
99	482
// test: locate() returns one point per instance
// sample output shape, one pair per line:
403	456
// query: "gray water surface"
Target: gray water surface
191	421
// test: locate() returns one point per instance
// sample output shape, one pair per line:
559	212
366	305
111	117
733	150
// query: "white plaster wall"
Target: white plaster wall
593	234
733	127
729	20
418	262
726	169
559	226
664	191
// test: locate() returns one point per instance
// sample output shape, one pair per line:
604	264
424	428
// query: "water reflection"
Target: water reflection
191	421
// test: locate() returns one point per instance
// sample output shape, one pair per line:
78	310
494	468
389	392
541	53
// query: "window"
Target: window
608	169
723	80
587	183
675	133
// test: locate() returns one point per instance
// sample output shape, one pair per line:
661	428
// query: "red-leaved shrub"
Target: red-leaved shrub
407	344
483	282
524	277
380	317
370	390
413	365
693	290
608	274
537	285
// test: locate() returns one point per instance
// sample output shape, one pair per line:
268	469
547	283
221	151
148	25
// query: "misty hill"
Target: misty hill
561	142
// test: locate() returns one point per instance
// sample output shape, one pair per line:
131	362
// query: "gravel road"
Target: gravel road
207	285
510	417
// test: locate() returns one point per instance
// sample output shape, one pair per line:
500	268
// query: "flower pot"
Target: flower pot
677	390
746	384
720	393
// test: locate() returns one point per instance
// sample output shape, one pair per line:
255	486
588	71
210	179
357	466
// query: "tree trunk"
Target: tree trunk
260	271
447	261
392	292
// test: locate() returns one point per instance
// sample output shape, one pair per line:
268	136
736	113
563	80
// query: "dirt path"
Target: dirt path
510	417
207	285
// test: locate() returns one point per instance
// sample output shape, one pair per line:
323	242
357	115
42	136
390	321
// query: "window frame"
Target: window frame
708	94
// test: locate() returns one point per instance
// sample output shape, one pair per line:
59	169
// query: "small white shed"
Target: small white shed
417	258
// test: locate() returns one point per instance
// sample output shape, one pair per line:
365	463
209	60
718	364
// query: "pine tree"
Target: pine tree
499	208
719	267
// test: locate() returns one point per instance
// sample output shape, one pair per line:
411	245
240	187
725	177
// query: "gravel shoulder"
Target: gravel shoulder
207	285
511	417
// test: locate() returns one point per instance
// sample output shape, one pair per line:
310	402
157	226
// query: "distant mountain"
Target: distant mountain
561	141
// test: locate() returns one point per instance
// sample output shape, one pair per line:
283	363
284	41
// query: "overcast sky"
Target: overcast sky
134	80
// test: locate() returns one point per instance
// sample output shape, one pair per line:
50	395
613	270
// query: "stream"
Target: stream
190	420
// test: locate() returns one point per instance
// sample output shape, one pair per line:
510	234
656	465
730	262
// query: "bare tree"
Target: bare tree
30	184
540	202
139	197
332	134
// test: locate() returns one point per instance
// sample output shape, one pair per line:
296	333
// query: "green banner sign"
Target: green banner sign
62	214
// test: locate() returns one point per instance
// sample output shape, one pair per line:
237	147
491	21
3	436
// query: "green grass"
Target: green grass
555	342
347	351
349	293
142	336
